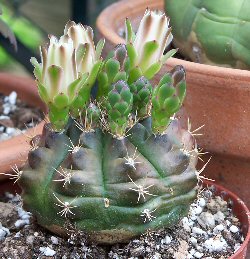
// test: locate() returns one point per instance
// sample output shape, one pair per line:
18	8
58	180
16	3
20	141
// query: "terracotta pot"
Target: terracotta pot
239	209
217	97
14	151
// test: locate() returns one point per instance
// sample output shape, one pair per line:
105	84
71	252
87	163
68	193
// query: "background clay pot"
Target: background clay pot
14	150
217	97
238	206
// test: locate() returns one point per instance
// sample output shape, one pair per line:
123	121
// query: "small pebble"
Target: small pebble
198	255
192	251
6	110
30	239
193	240
156	256
215	245
194	218
4	117
185	224
12	98
54	240
198	231
206	219
198	210
18	234
21	222
167	240
9	195
47	251
236	247
235	220
219	217
218	229
3	233
234	229
199	248
201	202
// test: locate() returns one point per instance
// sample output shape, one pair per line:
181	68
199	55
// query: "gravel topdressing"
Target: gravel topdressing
16	116
209	231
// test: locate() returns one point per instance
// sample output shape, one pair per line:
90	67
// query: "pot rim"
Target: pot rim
15	149
107	24
222	191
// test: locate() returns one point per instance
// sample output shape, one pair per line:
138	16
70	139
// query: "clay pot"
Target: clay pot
217	97
238	206
14	151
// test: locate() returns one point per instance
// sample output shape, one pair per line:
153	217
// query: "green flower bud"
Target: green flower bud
167	98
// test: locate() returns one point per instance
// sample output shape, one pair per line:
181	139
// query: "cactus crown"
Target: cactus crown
118	165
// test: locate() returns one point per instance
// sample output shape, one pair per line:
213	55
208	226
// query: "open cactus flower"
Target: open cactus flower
124	165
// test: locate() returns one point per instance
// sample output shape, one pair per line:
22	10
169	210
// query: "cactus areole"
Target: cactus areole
211	31
119	165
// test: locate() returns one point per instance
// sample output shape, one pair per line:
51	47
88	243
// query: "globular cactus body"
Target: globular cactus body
124	165
212	32
116	189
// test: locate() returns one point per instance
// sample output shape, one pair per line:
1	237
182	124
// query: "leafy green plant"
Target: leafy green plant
121	164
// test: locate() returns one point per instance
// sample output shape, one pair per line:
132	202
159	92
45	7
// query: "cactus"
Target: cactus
111	188
142	91
116	171
167	98
212	32
114	69
146	47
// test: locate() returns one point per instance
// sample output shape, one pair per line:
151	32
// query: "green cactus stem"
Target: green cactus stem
167	98
212	32
112	189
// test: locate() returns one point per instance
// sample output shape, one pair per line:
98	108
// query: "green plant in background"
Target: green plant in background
23	29
124	165
212	32
6	31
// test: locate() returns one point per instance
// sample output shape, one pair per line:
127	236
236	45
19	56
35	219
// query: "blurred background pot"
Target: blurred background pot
14	150
217	97
212	32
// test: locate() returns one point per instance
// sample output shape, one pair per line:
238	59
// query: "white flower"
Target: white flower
68	64
82	37
146	48
67	72
57	74
88	60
